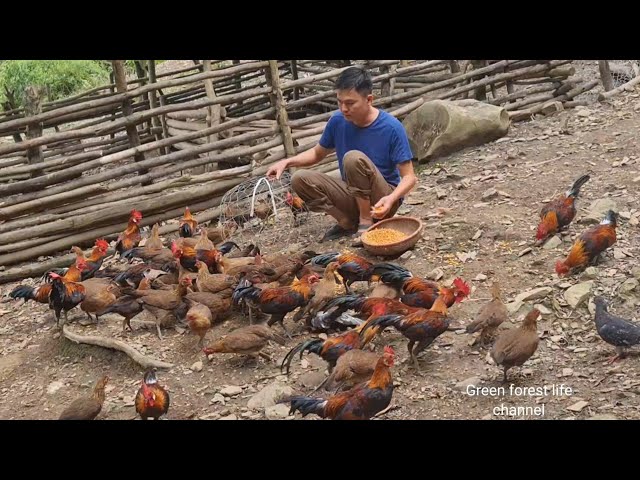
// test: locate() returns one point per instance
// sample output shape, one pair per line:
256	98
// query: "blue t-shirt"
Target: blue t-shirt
385	142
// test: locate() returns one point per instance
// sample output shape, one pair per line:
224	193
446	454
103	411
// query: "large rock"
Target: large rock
269	396
440	127
597	210
578	293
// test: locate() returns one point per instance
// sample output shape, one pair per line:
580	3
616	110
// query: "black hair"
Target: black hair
355	78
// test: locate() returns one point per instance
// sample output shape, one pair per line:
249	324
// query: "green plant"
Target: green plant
60	78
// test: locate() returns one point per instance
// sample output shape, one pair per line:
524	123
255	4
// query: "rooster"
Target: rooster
296	204
352	268
421	327
93	261
188	224
588	247
152	400
559	212
130	238
188	256
276	301
329	350
41	293
64	296
417	291
362	402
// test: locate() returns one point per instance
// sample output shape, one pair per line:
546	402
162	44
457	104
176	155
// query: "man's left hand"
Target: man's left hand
382	208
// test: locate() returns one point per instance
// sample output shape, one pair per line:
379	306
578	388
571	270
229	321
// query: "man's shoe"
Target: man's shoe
337	232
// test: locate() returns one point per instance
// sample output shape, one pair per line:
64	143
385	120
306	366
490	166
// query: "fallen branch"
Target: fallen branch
390	408
146	362
627	86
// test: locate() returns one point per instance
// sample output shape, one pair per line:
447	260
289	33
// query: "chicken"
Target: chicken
355	366
212	283
421	327
352	268
615	330
98	297
363	306
490	316
160	302
87	408
516	346
152	400
41	293
188	224
381	290
188	256
232	266
203	242
249	340
362	402
221	232
65	295
130	238
276	302
296	204
199	319
95	259
127	307
417	291
559	212
589	245
323	292
153	252
330	350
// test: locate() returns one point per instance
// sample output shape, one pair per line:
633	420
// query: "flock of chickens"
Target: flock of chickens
200	280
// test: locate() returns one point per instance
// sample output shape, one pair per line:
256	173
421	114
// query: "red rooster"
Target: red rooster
362	402
422	326
588	247
130	238
559	212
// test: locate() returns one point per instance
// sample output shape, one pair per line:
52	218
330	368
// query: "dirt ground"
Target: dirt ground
481	240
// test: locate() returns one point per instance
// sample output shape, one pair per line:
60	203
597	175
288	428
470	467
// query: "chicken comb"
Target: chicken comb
136	214
462	286
102	244
389	351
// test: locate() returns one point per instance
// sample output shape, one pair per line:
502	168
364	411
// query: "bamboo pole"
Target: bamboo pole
213	111
33	107
277	102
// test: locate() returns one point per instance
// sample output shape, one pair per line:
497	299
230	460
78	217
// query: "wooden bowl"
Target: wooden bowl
410	226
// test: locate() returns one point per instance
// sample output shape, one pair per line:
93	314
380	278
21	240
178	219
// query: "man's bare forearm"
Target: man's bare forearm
404	187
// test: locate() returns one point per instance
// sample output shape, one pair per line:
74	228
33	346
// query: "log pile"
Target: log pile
162	142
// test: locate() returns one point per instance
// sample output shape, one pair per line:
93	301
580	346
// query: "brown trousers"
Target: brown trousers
323	193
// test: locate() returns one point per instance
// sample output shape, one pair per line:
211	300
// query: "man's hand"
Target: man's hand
382	208
277	168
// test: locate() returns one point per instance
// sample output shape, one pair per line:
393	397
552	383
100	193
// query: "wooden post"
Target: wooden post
8	106
294	74
213	112
605	75
142	74
453	65
153	102
33	106
132	132
388	86
273	80
162	118
238	84
480	93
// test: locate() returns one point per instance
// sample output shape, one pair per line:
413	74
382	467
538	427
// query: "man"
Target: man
374	158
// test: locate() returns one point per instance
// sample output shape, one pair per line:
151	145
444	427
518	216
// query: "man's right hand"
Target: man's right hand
277	169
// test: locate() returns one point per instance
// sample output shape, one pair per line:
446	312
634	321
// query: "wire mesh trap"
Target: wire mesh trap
260	210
